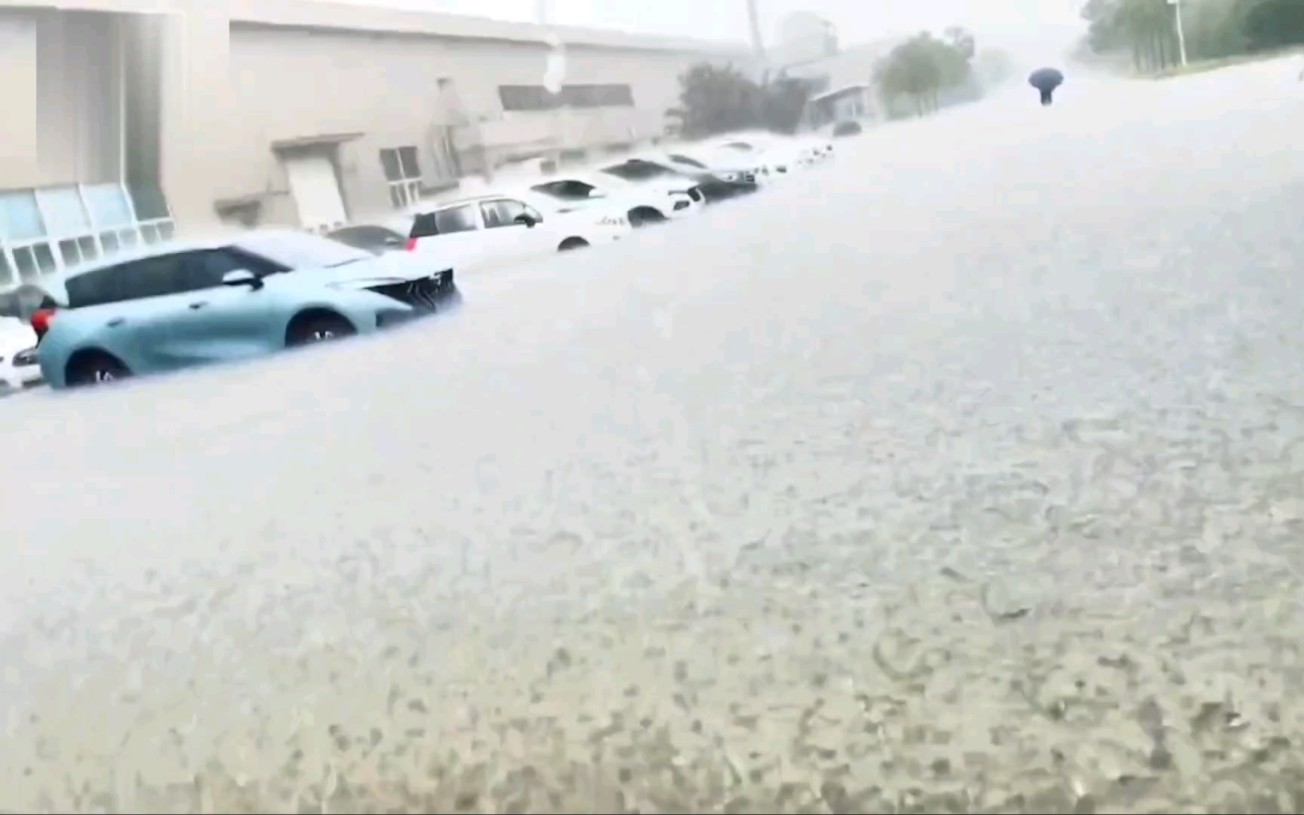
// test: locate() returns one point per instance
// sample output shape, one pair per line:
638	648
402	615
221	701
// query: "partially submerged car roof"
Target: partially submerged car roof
55	284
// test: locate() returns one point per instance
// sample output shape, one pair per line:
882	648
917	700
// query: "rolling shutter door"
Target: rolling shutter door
316	192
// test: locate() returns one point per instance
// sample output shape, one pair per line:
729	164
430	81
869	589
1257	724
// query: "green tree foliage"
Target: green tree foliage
1214	28
717	99
924	66
1268	24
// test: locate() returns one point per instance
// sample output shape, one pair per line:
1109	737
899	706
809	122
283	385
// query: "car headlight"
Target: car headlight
25	358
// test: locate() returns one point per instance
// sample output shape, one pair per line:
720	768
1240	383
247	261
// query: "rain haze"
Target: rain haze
395	421
1034	29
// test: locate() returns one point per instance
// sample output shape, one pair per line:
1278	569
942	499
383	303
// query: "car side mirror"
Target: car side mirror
242	277
527	220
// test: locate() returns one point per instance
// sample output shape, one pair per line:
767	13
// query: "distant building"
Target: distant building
850	103
841	84
804	36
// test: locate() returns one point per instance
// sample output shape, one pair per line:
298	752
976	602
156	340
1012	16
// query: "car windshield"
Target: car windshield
300	250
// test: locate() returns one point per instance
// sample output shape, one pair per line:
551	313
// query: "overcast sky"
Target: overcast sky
856	20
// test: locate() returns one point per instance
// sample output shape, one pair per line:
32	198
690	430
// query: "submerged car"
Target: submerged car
644	205
18	364
182	304
505	226
709	186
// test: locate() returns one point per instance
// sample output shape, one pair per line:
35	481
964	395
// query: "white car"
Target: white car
643	204
499	228
727	164
782	154
18	364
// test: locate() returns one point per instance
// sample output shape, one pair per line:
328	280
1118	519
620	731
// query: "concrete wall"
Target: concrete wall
213	86
18	133
297	83
62	89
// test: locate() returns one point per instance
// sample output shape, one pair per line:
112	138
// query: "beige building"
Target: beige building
127	120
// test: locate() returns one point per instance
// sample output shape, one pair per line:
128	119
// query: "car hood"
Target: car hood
390	267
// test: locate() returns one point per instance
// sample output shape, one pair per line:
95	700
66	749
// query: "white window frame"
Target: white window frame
404	191
134	233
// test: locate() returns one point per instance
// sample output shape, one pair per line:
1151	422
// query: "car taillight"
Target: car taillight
412	244
41	321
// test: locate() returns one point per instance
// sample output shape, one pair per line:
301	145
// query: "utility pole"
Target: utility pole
758	45
1181	32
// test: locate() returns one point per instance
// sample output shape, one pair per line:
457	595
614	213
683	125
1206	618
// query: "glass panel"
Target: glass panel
129	238
455	219
396	196
110	242
167	229
149	233
26	263
108	204
89	251
69	252
20	217
45	258
389	161
149	203
64	214
407	157
7	277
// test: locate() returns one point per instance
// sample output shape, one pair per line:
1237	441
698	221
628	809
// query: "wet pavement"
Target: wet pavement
963	474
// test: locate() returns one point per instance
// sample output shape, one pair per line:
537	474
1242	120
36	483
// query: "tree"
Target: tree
1268	24
784	104
718	99
923	65
1214	28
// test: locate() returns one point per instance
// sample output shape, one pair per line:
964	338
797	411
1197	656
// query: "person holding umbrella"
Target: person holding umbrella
1046	80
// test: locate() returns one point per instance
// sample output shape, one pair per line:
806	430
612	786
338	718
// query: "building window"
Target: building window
572	157
53	229
597	96
537	97
527	97
403	172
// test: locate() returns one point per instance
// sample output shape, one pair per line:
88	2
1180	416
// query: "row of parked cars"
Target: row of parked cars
186	302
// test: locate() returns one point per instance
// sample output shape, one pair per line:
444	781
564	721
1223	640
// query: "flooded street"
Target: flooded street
965	473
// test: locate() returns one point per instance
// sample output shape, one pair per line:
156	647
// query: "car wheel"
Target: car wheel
94	368
570	244
315	328
645	216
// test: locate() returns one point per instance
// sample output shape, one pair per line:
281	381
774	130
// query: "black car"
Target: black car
847	127
712	187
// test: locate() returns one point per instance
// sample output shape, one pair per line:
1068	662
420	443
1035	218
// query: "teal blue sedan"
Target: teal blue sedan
184	304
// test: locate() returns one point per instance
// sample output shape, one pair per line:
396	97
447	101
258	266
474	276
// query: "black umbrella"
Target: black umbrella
1046	80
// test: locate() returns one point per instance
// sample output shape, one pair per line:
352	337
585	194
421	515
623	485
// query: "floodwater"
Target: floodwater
963	474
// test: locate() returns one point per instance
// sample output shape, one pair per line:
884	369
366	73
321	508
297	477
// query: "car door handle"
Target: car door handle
199	305
115	322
